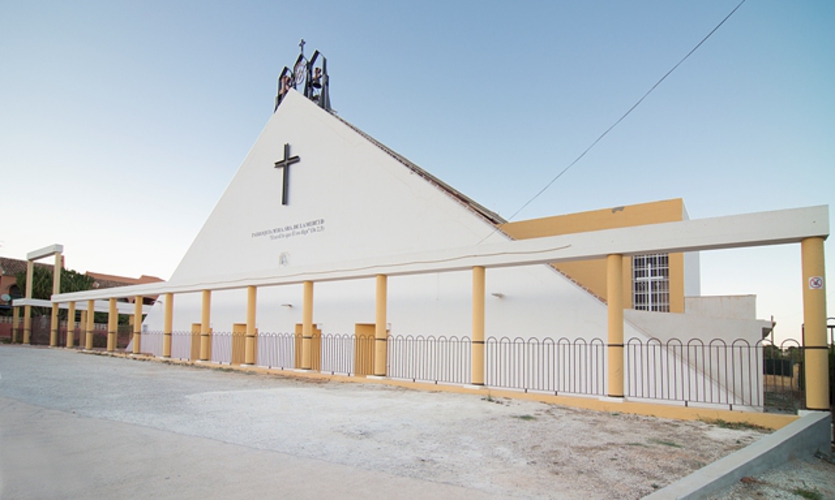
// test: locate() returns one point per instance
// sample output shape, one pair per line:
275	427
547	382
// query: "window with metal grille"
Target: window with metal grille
651	282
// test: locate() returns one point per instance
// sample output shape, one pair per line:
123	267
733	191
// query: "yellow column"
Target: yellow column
27	324
71	325
249	347
82	324
380	327
53	326
137	324
15	323
205	329
88	327
56	289
307	325
112	325
27	309
167	325
814	325
477	377
614	295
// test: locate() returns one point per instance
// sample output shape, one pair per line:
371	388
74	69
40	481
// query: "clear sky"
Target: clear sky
121	123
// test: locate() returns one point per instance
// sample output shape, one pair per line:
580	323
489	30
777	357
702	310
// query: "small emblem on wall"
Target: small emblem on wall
816	282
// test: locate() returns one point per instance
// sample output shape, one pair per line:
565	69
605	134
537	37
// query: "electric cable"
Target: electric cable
566	169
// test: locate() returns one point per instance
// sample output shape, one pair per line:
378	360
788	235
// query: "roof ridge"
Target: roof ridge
485	213
471	204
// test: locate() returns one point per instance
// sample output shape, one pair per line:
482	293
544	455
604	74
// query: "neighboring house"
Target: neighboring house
102	280
10	268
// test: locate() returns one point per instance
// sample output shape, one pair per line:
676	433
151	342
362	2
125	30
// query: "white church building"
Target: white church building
330	252
344	198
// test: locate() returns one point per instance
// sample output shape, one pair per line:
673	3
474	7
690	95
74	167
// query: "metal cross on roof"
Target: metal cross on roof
285	164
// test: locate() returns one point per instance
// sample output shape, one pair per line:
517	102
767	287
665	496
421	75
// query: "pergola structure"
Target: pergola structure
31	257
807	226
28	302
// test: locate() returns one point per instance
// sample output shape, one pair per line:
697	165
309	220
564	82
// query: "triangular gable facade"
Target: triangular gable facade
351	198
347	199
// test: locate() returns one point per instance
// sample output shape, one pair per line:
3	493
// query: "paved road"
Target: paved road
77	426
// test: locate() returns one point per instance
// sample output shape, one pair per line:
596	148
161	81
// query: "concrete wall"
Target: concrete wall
723	306
719	359
692	276
666	326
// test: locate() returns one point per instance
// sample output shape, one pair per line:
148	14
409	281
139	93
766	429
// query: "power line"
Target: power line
668	73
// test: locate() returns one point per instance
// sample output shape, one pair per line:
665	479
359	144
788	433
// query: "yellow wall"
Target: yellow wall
591	274
364	348
238	343
315	347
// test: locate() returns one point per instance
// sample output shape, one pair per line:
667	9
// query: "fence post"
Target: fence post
112	325
15	323
167	325
380	330
205	318
82	325
815	351
56	289
71	324
307	325
137	324
614	298
249	347
477	349
88	328
27	309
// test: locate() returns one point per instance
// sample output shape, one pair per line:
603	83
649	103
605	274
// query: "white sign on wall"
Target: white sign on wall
292	230
816	282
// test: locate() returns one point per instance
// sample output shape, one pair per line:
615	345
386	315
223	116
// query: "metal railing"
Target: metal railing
181	345
559	366
151	343
221	351
276	350
715	372
783	376
347	354
430	359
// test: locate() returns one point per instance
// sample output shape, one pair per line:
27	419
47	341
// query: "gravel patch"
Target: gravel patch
499	446
799	479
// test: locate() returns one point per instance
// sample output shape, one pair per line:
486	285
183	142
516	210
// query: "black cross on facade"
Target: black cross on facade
285	164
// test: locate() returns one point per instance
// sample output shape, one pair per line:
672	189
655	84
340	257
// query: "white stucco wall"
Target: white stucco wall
692	275
722	306
365	204
692	267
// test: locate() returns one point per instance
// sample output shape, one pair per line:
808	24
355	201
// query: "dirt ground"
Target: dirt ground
812	479
499	447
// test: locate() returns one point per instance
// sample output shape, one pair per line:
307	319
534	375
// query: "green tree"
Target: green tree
71	281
